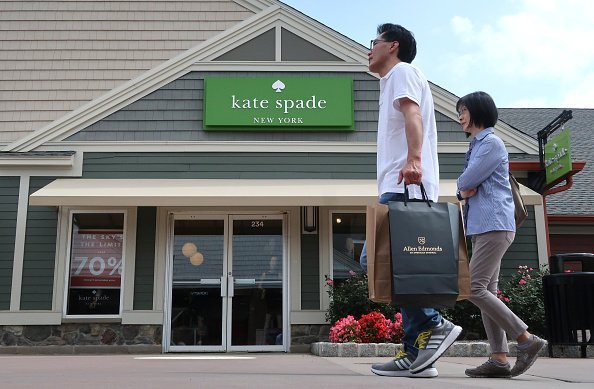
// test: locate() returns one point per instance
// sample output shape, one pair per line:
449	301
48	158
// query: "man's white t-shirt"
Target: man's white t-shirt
405	80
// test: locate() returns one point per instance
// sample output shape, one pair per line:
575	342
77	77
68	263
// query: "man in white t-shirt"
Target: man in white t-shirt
407	152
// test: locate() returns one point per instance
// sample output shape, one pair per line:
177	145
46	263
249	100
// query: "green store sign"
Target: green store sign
557	153
278	102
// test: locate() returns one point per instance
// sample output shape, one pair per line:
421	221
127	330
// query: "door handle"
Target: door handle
245	281
223	282
210	281
230	291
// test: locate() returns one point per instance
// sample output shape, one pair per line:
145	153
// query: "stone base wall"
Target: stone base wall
78	337
458	349
74	338
306	334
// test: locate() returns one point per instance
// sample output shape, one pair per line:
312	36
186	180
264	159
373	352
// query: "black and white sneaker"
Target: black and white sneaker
433	343
399	367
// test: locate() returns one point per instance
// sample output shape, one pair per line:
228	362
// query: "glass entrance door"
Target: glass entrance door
197	314
227	277
256	283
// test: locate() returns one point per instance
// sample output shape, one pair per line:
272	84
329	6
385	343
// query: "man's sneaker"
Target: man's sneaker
433	343
490	369
527	356
399	367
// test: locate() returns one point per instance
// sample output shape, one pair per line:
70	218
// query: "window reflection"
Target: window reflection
348	237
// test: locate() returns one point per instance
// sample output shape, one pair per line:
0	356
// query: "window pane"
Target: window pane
348	236
96	264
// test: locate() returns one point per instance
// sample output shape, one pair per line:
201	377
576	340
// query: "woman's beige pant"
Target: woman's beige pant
498	319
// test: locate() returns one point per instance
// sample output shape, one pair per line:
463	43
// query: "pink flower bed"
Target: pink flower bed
370	328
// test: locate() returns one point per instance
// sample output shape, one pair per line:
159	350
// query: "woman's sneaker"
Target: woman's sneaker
490	369
527	355
399	367
433	343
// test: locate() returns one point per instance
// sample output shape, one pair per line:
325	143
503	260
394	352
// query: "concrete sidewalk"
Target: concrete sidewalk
263	370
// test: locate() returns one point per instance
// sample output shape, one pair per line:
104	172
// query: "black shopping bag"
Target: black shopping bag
424	237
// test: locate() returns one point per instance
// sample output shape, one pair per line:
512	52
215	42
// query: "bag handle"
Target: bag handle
423	193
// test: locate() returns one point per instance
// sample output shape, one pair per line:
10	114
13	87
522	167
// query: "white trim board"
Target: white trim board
240	147
221	192
19	244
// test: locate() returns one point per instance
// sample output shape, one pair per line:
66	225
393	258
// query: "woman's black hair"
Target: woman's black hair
481	107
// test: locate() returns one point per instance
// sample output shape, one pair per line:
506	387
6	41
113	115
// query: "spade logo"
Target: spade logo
278	86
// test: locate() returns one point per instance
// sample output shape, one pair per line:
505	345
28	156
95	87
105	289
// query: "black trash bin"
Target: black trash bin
569	301
571	262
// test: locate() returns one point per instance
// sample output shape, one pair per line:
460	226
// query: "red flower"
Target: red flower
375	328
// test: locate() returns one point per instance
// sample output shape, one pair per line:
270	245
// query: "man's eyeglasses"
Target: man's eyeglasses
376	41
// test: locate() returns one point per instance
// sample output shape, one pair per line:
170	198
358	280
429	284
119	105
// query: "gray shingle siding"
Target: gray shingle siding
310	271
295	48
448	129
524	249
229	165
146	225
9	198
55	56
174	113
40	253
450	166
260	48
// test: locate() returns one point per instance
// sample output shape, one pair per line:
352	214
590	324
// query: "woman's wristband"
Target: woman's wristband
459	196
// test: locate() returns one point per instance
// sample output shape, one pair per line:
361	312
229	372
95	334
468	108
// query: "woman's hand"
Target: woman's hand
468	193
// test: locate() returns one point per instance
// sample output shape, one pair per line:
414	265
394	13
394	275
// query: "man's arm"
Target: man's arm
412	172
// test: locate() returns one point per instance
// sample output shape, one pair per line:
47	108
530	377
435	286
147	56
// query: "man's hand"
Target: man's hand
411	173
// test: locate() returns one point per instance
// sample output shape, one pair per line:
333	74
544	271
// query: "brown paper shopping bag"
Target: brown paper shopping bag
379	264
463	270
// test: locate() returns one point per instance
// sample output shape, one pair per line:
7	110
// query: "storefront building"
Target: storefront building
200	206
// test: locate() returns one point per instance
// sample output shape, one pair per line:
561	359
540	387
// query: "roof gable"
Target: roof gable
57	55
201	57
277	24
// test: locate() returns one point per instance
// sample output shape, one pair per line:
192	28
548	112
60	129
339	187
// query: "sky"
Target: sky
524	53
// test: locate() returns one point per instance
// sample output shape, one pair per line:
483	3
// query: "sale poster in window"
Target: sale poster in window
96	259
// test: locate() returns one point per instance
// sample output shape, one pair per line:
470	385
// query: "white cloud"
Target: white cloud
581	94
461	25
544	43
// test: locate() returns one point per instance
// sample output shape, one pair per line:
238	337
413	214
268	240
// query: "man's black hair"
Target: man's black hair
396	33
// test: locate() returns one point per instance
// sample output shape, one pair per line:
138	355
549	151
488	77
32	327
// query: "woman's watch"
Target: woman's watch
459	196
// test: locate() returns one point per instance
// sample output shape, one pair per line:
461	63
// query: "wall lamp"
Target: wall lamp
309	220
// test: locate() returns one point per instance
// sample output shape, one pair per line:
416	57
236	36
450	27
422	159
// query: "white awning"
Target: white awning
240	192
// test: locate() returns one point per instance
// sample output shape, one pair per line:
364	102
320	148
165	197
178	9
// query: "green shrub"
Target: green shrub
351	297
468	316
522	293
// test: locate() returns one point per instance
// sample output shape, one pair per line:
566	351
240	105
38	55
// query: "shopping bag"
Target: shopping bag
463	268
520	211
425	246
377	244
